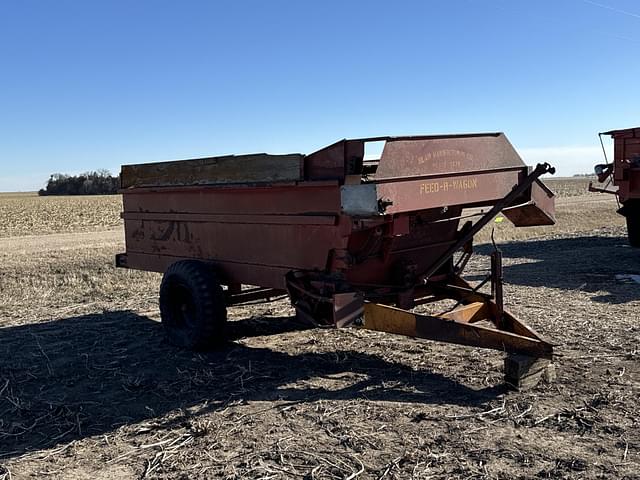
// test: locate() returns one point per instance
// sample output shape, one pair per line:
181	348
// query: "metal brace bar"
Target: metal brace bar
540	169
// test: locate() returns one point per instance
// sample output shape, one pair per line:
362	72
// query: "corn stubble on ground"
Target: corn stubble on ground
90	389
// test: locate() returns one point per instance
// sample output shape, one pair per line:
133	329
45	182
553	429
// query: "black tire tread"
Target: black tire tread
631	210
633	228
208	295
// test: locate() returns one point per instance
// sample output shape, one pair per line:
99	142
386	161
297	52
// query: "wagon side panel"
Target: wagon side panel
252	236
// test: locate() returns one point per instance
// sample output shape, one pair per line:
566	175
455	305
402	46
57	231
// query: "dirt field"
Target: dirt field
90	389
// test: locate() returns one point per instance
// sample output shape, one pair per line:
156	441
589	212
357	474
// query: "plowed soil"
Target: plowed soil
89	388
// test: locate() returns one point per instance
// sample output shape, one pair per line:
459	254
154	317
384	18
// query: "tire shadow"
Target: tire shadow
81	376
581	263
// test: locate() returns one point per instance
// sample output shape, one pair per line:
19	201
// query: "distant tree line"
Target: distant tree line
100	182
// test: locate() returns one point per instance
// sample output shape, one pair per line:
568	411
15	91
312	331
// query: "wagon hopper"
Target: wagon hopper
351	240
624	173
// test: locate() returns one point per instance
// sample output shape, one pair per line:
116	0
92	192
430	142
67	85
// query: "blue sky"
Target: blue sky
89	84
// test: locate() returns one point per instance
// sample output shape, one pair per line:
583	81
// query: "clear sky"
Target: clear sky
94	84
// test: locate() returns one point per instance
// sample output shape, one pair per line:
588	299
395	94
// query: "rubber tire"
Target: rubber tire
192	305
633	224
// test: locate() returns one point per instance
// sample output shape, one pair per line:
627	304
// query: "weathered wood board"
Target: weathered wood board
230	169
523	372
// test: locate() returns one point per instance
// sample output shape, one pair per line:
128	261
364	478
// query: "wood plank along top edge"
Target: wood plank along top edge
229	169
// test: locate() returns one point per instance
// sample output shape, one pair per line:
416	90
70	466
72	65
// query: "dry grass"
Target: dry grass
29	214
575	215
569	186
54	283
578	212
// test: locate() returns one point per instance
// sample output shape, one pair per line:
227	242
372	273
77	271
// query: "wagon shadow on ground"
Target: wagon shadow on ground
88	375
588	263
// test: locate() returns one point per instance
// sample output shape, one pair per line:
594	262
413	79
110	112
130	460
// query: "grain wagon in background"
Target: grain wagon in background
350	240
624	173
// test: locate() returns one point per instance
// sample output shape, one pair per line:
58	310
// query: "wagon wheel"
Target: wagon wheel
633	222
192	305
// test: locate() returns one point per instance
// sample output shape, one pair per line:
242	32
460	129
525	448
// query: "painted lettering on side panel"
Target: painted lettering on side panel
428	188
448	159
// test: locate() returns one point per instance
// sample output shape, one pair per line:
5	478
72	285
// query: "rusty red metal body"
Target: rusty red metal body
349	229
624	173
625	169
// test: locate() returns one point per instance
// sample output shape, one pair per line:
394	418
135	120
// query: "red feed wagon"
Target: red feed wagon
350	240
624	173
